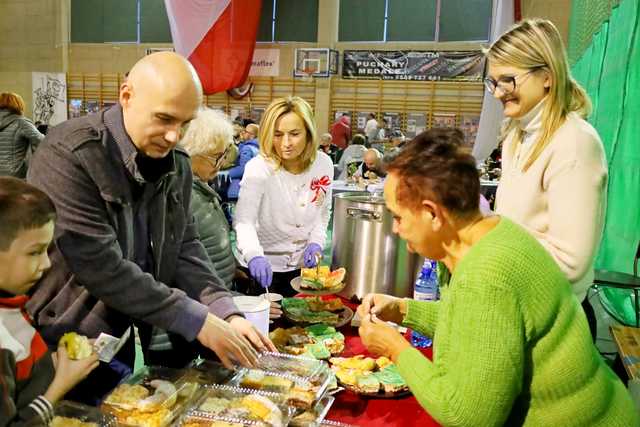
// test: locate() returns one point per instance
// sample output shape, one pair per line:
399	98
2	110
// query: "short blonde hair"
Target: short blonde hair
278	108
253	129
535	44
211	130
12	102
326	137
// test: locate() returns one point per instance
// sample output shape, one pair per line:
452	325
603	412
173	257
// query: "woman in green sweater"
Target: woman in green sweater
512	346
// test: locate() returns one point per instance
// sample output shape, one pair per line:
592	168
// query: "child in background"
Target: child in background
31	378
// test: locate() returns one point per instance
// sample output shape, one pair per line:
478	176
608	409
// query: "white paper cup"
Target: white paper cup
256	310
272	297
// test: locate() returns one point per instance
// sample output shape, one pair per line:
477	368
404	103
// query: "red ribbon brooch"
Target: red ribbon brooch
320	186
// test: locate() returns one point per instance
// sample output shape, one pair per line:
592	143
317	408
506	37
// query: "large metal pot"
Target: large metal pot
376	259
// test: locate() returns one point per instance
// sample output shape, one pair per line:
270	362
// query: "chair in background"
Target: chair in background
618	293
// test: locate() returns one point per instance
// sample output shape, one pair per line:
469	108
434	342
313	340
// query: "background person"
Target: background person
247	150
341	131
554	170
512	344
372	166
371	128
352	157
207	139
18	136
327	147
285	197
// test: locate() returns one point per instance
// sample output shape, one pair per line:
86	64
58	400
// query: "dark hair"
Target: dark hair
22	207
358	139
435	165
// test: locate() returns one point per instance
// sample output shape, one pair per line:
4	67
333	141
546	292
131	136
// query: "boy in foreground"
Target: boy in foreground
32	379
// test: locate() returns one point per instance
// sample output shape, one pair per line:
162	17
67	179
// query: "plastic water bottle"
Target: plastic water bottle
425	289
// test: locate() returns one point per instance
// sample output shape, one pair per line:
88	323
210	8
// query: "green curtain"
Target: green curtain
586	18
609	69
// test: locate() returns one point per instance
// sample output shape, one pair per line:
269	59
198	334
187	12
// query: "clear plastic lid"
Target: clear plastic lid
203	371
330	423
300	366
221	404
301	392
315	416
72	414
152	397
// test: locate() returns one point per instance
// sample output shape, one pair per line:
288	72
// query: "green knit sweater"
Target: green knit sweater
512	344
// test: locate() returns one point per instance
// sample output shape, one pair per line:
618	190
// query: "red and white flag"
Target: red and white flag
217	36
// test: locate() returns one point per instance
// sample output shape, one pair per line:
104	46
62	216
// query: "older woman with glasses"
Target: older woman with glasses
207	140
554	171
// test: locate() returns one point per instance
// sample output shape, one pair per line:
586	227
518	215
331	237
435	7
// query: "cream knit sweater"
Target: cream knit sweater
561	198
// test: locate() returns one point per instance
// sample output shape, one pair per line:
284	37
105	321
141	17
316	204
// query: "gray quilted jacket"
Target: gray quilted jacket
17	135
213	229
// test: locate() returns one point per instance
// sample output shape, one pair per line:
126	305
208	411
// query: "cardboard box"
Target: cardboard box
628	341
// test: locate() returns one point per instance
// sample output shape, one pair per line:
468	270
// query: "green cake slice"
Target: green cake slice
318	350
391	379
367	384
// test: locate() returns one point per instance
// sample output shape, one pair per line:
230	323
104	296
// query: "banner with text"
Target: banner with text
265	62
412	65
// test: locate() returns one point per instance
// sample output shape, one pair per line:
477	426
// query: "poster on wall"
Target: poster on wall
340	113
416	124
49	97
412	65
256	114
469	126
75	108
265	62
361	120
92	107
394	121
443	120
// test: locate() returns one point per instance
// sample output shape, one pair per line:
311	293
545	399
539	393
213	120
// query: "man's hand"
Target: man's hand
381	339
224	340
68	373
249	331
385	307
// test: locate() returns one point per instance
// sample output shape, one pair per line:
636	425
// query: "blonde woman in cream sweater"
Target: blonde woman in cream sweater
554	170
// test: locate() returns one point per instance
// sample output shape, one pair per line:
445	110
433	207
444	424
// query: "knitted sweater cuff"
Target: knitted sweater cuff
421	316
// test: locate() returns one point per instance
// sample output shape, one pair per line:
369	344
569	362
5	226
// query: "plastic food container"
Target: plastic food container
205	372
72	414
314	417
233	406
153	397
304	367
301	392
330	423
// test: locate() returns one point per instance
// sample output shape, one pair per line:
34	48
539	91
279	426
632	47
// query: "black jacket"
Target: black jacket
94	285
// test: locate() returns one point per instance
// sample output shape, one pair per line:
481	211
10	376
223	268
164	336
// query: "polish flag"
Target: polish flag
217	36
